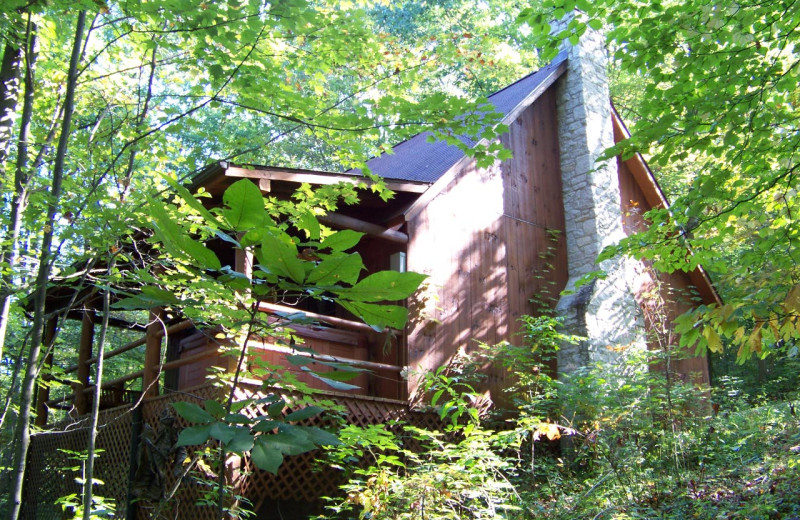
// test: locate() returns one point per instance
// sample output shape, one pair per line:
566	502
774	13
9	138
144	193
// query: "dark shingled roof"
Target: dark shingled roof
418	160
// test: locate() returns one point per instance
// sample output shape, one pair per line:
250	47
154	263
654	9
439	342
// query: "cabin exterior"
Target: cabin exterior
497	243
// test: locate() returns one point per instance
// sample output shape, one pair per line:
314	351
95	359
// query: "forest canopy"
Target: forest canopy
105	106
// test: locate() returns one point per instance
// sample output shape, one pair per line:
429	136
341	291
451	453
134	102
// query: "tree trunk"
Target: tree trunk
98	391
43	274
21	178
9	94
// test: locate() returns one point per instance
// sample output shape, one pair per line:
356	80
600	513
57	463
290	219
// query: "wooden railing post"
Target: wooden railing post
81	402
43	392
152	353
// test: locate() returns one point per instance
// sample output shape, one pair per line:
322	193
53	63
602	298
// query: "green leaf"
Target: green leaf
266	425
244	206
287	443
306	221
436	397
337	268
253	237
214	408
192	413
177	241
266	457
321	437
713	339
281	259
202	256
378	316
223	432
242	442
190	200
194	435
342	240
238	418
275	410
595	24
383	286
306	413
148	297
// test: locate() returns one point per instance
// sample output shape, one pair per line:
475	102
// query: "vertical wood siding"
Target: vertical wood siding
491	241
677	288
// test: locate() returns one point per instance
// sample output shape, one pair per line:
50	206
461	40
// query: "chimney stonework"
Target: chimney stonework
603	312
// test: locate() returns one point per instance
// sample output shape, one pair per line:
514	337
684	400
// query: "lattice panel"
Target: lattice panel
299	478
182	506
48	477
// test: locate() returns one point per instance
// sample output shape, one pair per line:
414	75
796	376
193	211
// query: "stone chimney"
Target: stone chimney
604	311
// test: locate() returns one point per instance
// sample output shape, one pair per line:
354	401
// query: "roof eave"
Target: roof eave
655	196
268	173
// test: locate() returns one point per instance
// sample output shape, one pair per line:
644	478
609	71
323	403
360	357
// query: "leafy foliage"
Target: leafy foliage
193	282
613	440
718	85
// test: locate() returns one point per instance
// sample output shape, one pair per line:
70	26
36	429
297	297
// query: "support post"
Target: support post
43	392
81	402
152	353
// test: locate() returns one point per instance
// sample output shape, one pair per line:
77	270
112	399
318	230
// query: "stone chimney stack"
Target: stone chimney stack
604	311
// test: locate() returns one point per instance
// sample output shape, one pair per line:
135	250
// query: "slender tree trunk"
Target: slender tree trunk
12	391
43	274
9	94
21	178
88	483
98	382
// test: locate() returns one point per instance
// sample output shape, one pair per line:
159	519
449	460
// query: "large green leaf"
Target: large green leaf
337	268
224	432
166	230
266	457
322	437
148	297
383	286
202	256
288	443
242	441
304	413
342	240
244	206
214	408
186	195
378	316
178	242
194	435
280	258
336	385
192	413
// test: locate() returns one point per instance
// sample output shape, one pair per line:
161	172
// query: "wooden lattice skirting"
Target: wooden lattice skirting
48	478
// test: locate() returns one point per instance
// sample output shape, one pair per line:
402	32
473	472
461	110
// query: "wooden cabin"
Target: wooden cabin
497	243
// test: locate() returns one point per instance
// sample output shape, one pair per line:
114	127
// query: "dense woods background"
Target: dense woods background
100	100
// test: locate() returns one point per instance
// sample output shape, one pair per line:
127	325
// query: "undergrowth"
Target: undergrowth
620	441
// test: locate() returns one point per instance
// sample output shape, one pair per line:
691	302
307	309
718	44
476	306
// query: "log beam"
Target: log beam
342	221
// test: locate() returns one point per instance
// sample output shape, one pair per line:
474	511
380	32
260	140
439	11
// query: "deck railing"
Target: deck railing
152	340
